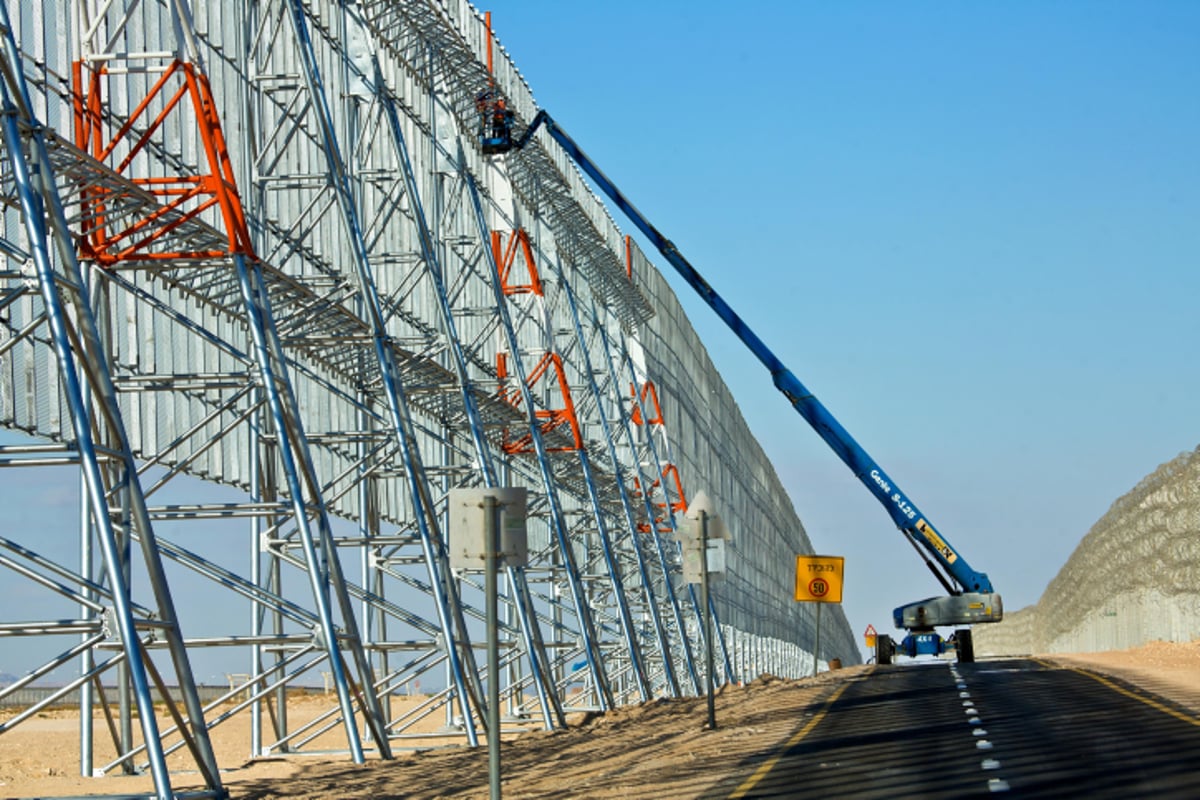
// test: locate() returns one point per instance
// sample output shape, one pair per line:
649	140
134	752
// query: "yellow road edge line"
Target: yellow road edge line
1191	720
770	763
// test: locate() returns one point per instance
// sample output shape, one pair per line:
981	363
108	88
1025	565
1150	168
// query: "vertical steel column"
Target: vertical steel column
374	621
392	385
483	462
614	572
40	204
720	634
578	596
539	663
87	658
324	568
606	546
622	356
257	610
627	506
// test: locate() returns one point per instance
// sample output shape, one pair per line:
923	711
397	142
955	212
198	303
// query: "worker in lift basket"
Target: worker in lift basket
496	119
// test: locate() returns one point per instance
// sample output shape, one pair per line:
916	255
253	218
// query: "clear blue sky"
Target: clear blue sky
973	230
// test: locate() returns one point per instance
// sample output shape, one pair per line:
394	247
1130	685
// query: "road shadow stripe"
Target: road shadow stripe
765	768
1131	691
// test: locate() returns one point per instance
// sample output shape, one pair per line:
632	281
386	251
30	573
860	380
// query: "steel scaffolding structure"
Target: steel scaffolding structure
260	278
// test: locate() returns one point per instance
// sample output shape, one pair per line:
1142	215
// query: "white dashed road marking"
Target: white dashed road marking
988	764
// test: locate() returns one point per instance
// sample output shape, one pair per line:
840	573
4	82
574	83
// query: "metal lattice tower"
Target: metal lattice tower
265	303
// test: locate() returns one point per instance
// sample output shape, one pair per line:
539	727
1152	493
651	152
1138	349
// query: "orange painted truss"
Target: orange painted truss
183	198
551	419
649	393
507	256
670	474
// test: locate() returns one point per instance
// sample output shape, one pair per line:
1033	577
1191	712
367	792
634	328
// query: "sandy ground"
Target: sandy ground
659	749
1165	668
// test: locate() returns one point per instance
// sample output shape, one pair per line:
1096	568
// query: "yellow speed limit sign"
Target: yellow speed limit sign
819	579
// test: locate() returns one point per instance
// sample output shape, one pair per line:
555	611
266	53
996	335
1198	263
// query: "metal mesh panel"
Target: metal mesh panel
1131	580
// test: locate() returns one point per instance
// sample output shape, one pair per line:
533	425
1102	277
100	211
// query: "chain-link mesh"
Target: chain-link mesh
1131	580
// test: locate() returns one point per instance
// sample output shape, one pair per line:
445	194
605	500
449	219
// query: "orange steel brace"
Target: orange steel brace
637	488
680	504
551	418
648	391
506	257
487	19
185	196
660	522
629	256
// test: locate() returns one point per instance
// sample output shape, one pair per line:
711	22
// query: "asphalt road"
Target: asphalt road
1018	727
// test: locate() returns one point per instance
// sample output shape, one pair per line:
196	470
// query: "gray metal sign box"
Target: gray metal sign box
468	531
716	562
687	532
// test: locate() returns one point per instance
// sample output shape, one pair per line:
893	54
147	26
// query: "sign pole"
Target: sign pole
817	646
491	547
708	642
695	540
487	530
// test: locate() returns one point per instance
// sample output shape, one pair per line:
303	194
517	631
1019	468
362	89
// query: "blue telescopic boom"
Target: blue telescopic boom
903	511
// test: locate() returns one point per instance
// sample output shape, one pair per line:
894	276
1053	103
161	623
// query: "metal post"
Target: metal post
124	681
708	641
491	548
318	558
817	644
87	657
257	611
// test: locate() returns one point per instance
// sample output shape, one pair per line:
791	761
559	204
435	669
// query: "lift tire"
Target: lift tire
884	648
965	646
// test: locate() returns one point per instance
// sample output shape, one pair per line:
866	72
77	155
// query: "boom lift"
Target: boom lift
970	598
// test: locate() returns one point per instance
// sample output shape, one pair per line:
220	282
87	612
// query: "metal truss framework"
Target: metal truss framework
256	244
